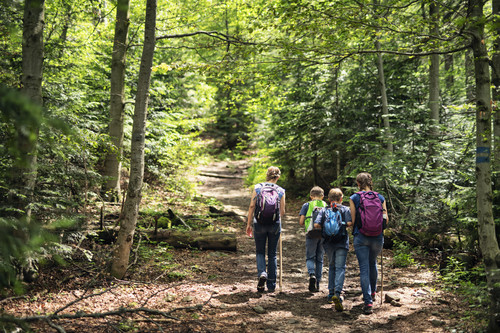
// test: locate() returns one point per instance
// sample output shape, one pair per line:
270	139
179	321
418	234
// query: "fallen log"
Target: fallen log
204	240
216	175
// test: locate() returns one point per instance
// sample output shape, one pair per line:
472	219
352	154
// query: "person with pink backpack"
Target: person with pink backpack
369	213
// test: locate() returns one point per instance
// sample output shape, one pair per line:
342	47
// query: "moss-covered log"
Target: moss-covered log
205	240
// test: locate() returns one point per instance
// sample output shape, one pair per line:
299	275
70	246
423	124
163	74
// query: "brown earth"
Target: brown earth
218	290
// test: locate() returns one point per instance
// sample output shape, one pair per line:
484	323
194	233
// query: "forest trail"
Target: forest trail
215	291
235	306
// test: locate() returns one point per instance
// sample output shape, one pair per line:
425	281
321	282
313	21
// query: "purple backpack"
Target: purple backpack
371	213
267	205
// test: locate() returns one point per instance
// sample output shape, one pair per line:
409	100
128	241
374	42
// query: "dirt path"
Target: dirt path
421	308
216	290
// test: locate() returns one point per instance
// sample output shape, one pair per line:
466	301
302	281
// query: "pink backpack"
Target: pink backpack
371	213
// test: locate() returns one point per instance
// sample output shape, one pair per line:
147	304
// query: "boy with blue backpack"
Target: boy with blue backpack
334	221
314	242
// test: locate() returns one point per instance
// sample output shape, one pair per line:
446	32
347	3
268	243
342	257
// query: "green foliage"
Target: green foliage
471	285
403	254
20	242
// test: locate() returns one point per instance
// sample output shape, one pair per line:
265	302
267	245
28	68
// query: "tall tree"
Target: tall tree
434	103
383	91
134	192
27	132
487	235
495	78
112	164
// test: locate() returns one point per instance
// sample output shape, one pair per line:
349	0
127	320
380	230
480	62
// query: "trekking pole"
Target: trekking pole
381	276
281	263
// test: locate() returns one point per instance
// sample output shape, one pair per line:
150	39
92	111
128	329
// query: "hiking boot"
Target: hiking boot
261	284
373	297
368	309
338	300
329	299
312	282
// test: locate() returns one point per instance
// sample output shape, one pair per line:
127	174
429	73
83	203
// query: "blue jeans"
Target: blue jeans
314	257
367	250
337	257
269	234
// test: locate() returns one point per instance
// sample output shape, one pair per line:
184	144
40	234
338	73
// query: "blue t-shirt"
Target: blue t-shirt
281	193
345	212
356	199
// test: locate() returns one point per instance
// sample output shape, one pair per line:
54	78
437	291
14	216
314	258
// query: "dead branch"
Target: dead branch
175	217
121	311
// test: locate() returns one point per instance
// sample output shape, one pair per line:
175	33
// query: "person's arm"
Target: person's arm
251	210
282	206
302	219
353	211
319	218
349	222
385	212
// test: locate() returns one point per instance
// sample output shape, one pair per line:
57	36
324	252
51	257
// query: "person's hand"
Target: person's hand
317	226
249	231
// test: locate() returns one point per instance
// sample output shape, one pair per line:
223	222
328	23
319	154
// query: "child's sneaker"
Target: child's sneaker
312	282
337	300
368	309
261	283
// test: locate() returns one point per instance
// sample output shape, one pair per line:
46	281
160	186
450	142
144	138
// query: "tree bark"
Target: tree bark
205	240
486	223
112	164
24	175
495	78
434	103
131	210
434	87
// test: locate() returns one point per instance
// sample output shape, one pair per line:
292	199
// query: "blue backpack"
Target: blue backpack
267	205
334	228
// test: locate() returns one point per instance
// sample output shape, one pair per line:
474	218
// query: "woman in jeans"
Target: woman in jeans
367	248
266	233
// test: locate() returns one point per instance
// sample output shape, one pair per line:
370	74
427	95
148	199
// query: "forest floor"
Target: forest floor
217	290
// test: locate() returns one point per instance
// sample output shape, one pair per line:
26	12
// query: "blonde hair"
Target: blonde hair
316	192
335	194
364	180
273	173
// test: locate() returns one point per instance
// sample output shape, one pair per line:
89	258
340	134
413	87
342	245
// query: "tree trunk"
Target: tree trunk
495	78
131	210
24	175
486	223
383	95
470	91
205	240
112	164
434	102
